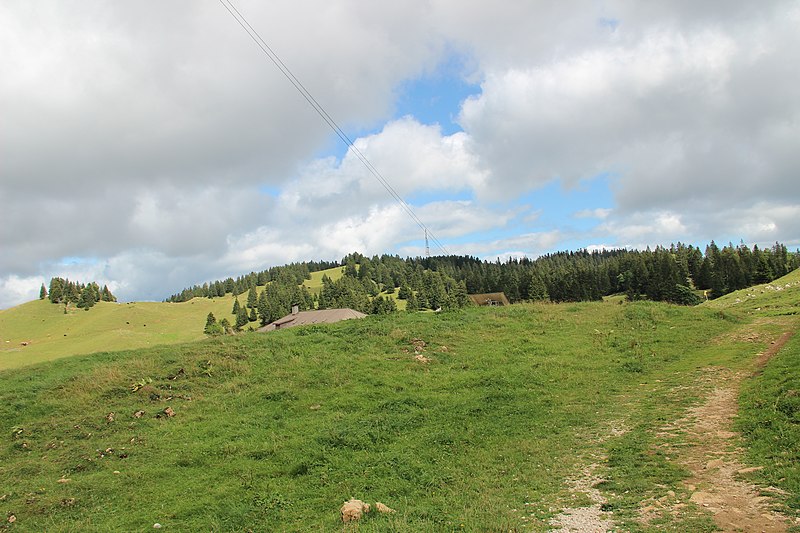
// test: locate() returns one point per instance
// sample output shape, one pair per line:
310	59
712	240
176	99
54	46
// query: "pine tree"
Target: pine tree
212	327
537	290
241	318
263	308
87	298
411	303
56	290
42	292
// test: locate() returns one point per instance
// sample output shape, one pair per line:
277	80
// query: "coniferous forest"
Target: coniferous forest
83	296
681	274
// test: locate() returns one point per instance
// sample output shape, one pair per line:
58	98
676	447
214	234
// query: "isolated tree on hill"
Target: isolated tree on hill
236	306
42	292
212	327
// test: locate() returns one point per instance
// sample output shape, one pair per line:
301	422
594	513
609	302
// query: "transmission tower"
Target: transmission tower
427	246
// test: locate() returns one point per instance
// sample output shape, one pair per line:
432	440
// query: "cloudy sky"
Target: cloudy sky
151	145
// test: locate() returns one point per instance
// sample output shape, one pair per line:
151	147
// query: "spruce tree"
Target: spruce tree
253	316
252	298
236	306
87	298
241	318
42	292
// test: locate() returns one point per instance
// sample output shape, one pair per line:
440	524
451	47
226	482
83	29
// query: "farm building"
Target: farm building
321	316
490	299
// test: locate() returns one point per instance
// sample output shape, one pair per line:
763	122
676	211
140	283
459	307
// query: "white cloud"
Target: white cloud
600	213
141	142
15	289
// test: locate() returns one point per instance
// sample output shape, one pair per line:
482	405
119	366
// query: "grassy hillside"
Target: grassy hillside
780	297
315	283
273	432
51	334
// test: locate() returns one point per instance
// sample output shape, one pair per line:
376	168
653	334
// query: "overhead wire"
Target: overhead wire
309	98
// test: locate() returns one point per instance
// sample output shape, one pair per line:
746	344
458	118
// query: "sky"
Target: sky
151	145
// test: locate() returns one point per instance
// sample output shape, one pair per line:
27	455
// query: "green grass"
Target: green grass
315	283
274	431
51	334
770	422
780	297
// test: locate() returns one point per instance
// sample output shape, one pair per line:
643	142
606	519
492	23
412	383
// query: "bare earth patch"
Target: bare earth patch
590	518
584	519
710	454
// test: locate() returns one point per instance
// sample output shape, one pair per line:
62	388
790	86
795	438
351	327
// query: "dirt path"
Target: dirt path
709	454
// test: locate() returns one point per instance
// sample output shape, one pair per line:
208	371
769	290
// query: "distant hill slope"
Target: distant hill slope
51	334
779	297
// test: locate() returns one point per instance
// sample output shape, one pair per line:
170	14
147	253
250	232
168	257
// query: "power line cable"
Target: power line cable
276	60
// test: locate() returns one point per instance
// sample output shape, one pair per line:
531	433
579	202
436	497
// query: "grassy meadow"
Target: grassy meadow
272	432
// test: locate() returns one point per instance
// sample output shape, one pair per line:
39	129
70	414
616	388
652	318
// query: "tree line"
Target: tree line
241	284
679	273
82	295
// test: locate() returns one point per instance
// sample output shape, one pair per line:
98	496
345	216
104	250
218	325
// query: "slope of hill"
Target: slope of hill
50	334
475	420
780	297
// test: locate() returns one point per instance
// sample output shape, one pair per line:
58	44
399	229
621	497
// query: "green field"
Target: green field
274	431
270	426
51	334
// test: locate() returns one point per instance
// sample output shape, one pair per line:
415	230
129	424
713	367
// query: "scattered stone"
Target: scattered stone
353	510
117	472
156	526
168	412
25	343
64	480
381	508
68	502
715	463
12	519
110	417
419	345
422	359
138	414
315	407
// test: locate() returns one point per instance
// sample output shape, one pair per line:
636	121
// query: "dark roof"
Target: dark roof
321	316
490	298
